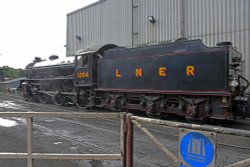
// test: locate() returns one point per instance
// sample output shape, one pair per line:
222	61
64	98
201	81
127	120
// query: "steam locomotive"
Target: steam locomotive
183	78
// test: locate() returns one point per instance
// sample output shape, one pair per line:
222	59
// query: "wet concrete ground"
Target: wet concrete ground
98	136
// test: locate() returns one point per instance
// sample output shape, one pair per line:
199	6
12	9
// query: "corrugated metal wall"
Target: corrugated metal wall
108	21
84	23
116	22
166	27
220	20
124	22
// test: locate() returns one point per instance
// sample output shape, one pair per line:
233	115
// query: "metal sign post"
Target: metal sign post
197	148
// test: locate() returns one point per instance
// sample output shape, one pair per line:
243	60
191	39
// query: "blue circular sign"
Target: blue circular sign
196	149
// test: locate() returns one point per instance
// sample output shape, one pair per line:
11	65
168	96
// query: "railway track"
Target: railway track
51	107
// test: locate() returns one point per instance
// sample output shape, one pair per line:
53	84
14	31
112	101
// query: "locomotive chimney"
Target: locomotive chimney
53	57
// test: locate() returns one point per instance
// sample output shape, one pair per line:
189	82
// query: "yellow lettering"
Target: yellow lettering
138	72
83	75
162	71
117	74
190	70
79	75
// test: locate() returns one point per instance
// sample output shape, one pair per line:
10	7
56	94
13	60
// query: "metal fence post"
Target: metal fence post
129	140
29	141
123	138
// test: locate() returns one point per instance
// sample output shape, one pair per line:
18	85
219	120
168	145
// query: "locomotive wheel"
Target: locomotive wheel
59	99
34	98
81	99
44	98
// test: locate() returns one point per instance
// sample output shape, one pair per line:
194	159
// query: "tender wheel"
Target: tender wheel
44	98
59	99
198	121
81	99
155	116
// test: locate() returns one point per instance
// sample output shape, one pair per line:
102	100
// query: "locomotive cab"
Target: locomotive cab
85	76
84	63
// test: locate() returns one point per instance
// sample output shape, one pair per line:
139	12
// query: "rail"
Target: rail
30	156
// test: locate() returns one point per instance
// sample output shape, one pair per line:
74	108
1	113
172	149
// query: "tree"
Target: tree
12	73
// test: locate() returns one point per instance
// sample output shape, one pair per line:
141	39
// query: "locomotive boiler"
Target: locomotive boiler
45	80
183	78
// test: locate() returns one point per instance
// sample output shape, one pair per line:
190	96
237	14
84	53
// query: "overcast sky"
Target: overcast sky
34	28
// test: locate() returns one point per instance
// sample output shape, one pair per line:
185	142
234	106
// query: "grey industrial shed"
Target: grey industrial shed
125	23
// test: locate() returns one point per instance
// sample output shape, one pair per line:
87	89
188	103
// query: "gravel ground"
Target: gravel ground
98	136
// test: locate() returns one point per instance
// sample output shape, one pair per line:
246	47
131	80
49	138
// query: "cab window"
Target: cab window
82	61
85	60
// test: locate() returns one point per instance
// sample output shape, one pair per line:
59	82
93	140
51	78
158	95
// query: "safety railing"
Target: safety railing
137	121
31	156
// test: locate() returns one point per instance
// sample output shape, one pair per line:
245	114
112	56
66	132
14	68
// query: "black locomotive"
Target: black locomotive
181	78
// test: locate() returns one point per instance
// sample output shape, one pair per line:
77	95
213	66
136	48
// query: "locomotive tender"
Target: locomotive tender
181	78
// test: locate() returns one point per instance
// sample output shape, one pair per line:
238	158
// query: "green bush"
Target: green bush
11	73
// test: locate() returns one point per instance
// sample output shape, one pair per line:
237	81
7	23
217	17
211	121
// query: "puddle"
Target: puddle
56	143
7	122
10	105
